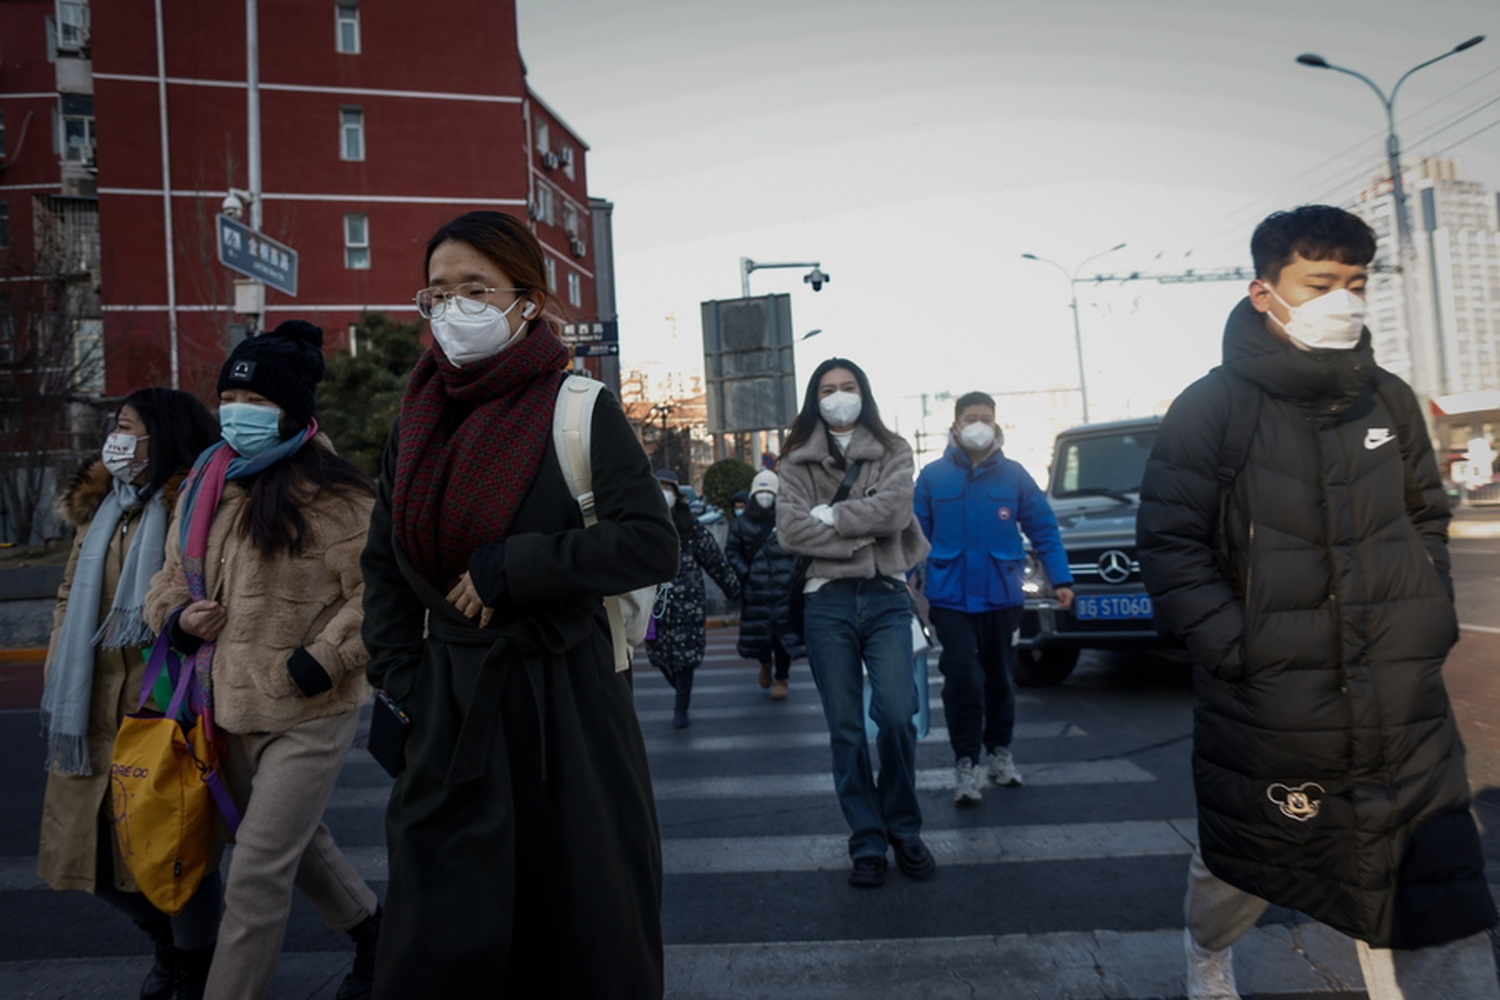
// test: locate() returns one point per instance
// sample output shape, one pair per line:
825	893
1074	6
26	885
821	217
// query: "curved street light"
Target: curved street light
1405	248
1072	277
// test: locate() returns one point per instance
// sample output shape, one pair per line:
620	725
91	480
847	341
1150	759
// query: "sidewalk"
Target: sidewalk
1471	521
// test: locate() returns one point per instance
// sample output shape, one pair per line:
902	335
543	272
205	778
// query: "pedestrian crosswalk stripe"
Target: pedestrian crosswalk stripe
820	852
967	846
1099	772
1272	960
775	741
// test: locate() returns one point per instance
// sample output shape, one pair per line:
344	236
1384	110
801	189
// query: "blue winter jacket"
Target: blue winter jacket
974	517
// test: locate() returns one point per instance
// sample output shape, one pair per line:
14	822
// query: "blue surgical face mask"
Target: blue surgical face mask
250	428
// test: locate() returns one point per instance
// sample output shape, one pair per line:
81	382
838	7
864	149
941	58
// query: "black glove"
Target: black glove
307	673
487	572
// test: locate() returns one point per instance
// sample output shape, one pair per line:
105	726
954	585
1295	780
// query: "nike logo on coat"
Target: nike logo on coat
1377	436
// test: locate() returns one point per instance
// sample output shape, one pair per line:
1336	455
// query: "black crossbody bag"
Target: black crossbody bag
794	617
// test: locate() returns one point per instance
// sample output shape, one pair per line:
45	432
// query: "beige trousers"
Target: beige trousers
282	782
1218	914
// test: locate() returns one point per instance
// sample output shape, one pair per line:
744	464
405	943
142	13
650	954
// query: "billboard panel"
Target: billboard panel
747	363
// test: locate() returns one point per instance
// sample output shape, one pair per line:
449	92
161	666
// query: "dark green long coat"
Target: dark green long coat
524	849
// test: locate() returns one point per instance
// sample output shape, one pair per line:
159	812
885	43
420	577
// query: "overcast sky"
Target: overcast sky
918	149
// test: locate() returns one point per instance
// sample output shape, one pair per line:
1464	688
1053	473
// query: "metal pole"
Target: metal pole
1083	391
252	108
174	359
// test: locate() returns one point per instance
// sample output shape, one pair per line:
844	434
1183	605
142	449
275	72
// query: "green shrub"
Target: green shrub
723	479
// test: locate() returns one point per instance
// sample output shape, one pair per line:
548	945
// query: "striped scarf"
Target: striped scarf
202	492
471	441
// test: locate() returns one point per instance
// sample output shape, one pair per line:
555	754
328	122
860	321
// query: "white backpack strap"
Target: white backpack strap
572	426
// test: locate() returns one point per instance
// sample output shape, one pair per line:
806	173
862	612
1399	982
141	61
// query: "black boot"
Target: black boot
684	695
360	982
158	982
191	972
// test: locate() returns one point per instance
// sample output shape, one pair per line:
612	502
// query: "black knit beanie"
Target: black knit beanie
285	366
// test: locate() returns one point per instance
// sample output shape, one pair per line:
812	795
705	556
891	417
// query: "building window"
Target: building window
565	154
4	225
2	133
351	134
88	354
77	128
543	137
551	275
570	219
346	17
575	289
72	25
357	242
545	209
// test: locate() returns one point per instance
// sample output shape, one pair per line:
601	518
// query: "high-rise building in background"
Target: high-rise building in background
125	127
1456	231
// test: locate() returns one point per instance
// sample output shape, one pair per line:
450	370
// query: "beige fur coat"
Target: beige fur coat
312	600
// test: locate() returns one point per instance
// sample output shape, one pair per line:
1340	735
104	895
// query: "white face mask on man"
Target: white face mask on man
1333	321
977	436
466	339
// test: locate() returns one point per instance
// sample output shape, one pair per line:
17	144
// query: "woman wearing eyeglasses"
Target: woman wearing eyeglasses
524	850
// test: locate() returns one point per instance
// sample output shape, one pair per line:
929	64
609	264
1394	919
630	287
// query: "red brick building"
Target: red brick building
366	144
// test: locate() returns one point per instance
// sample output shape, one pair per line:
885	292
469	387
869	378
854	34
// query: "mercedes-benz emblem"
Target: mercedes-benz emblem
1114	566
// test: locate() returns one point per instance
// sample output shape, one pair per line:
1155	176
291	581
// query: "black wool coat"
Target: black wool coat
1328	768
680	638
765	571
522	833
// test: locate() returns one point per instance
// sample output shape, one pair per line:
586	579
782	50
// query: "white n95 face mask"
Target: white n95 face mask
1333	321
977	436
840	409
466	339
765	499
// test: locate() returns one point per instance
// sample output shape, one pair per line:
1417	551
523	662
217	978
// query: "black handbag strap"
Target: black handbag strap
848	483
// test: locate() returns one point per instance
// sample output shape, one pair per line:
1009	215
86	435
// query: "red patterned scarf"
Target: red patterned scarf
471	441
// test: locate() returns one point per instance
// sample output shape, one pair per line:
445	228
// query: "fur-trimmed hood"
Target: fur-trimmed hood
92	483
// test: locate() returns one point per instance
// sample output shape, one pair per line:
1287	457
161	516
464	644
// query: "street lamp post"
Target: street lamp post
1406	250
1072	277
663	410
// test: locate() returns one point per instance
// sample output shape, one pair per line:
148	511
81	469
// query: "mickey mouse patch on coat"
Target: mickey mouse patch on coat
1300	803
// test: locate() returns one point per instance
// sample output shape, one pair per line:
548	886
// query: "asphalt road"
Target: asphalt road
1068	887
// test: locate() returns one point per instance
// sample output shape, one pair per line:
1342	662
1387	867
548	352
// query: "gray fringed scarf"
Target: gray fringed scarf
70	681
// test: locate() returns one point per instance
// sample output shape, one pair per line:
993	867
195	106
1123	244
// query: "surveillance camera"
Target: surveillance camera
232	206
817	279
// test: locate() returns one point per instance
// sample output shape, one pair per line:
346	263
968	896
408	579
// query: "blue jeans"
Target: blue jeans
849	623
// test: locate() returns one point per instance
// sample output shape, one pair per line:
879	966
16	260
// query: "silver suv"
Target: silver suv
1094	490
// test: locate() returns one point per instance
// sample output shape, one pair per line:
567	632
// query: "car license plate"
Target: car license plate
1112	607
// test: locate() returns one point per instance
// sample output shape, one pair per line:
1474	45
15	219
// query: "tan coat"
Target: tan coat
312	600
72	803
875	531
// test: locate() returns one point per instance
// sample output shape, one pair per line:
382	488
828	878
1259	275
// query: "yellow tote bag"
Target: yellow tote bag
159	788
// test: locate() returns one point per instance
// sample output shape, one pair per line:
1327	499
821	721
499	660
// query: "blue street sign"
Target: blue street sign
257	256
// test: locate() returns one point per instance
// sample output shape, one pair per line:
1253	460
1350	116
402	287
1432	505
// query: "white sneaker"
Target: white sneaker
1002	768
1210	974
967	787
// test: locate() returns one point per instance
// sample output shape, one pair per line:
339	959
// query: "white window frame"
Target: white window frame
543	137
84	150
72	33
346	15
575	289
568	154
351	133
551	274
572	219
357	241
546	204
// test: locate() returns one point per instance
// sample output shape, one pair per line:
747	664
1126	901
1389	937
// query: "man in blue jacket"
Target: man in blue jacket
973	504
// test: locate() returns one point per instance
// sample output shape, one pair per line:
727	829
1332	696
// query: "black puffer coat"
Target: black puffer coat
1329	772
765	570
680	639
